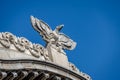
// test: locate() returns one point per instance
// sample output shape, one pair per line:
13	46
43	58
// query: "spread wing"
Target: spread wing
55	36
42	28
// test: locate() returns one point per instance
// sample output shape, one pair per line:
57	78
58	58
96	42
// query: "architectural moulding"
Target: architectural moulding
20	59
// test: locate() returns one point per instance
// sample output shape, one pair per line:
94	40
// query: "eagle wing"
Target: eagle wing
42	28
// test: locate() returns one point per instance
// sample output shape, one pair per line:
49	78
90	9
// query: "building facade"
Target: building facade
20	59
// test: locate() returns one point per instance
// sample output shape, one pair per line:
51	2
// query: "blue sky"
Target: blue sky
93	24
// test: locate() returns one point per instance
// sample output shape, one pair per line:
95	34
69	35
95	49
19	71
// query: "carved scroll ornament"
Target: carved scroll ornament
7	39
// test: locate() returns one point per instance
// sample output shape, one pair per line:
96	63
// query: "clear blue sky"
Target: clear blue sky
93	24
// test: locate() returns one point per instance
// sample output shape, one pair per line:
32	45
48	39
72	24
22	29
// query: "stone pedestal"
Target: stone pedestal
57	56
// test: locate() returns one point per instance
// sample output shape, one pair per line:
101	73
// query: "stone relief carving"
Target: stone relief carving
21	44
35	50
55	37
7	39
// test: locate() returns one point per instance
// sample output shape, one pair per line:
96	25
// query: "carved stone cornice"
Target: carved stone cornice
21	44
21	59
18	53
37	65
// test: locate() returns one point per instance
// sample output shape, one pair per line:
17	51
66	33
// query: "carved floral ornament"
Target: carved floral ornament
8	40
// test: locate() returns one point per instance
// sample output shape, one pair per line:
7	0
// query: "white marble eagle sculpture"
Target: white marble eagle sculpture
54	37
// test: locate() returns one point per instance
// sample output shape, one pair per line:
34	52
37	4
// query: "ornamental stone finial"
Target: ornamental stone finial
53	37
